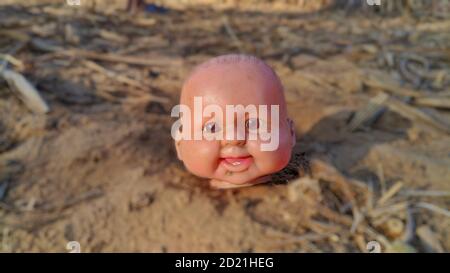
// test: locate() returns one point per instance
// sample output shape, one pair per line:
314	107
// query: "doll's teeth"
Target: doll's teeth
236	163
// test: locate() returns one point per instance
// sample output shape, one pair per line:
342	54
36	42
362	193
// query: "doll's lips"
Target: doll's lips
237	164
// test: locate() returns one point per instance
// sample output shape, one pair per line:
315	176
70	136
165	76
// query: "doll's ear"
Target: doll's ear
177	145
292	131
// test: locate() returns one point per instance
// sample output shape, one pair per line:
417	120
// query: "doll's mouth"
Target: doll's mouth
236	164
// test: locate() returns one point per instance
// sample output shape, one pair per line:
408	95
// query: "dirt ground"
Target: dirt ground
100	167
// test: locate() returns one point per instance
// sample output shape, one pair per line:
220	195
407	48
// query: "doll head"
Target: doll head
234	127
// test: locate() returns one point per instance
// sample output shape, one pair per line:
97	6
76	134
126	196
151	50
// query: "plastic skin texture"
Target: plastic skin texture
235	159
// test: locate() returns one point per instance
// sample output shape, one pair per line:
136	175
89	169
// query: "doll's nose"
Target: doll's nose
234	142
238	139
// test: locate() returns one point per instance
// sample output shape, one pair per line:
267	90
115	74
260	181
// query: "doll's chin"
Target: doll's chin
222	184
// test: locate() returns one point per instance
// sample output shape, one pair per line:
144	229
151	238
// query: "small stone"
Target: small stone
393	228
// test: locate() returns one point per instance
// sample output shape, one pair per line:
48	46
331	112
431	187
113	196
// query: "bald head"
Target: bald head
236	79
232	59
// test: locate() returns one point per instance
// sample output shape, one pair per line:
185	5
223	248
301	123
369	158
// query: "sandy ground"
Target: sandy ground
105	174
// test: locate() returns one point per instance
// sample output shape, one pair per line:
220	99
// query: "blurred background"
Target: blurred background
86	90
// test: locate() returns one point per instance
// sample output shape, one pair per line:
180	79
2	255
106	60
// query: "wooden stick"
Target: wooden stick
443	94
370	198
360	242
433	208
10	59
126	80
429	240
108	57
390	193
112	36
380	174
388	209
324	171
231	33
369	111
420	193
43	45
114	75
412	113
15	35
437	102
391	88
29	95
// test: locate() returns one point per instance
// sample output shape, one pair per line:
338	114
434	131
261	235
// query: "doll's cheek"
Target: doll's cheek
274	161
198	170
200	157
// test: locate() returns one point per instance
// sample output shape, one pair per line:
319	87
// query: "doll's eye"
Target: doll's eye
211	127
252	124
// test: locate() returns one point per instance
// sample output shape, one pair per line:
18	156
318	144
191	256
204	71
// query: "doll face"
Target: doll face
236	156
